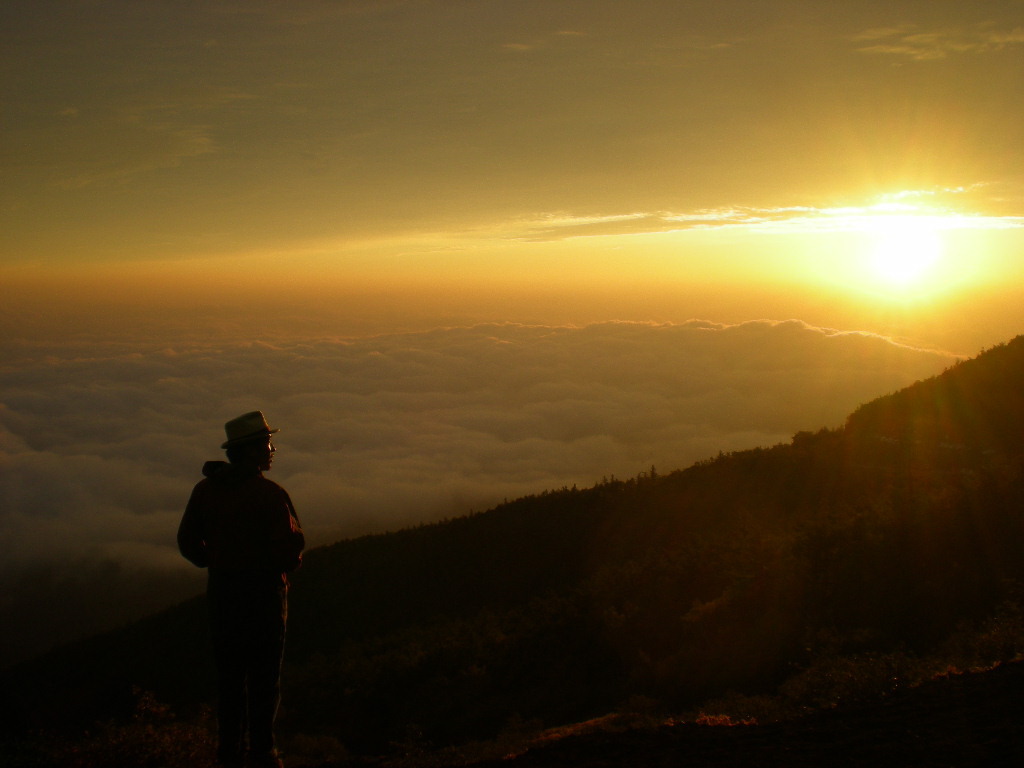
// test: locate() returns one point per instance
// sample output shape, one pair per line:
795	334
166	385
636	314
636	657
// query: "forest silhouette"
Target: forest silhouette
755	586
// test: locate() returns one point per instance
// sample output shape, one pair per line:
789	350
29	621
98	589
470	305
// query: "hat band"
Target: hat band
251	436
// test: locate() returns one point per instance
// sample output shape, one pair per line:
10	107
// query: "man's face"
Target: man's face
261	453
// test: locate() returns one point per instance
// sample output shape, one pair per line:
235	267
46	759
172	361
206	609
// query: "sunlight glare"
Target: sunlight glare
905	249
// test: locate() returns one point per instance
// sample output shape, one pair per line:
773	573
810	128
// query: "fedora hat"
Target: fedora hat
248	426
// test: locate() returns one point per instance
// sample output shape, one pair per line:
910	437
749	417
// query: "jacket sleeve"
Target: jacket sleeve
191	534
289	540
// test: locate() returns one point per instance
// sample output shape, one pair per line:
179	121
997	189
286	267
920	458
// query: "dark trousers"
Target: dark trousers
248	615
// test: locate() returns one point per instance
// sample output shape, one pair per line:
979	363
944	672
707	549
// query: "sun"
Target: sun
904	250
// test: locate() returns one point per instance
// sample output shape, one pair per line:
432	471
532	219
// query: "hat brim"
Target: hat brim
249	438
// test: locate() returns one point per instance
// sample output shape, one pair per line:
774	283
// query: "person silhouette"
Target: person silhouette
243	529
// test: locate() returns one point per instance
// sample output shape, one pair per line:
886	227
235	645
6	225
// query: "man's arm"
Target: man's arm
289	540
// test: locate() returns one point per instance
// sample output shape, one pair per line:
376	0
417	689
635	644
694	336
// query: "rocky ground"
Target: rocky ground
963	720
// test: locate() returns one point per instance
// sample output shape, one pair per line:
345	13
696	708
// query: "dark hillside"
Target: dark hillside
973	408
760	584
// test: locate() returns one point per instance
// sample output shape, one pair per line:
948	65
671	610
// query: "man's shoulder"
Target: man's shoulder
223	479
269	486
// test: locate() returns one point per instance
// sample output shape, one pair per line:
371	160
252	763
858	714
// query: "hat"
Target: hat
247	427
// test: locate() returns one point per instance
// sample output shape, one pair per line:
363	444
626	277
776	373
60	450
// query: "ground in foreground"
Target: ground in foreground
961	720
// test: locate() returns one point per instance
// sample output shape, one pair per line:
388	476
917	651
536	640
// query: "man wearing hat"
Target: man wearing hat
243	528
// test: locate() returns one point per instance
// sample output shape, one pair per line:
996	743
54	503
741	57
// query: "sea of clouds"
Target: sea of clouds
101	444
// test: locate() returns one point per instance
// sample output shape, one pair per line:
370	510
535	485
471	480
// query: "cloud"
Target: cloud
911	42
382	432
945	202
566	226
100	446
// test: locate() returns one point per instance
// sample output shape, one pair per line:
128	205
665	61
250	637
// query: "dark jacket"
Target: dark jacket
237	521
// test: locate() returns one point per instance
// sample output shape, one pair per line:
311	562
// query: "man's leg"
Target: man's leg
264	678
230	713
229	656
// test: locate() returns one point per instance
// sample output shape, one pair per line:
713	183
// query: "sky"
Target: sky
463	250
444	161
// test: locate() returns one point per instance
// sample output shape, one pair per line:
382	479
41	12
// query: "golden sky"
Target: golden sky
404	162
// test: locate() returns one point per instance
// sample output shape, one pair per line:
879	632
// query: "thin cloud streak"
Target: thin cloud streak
790	219
912	42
